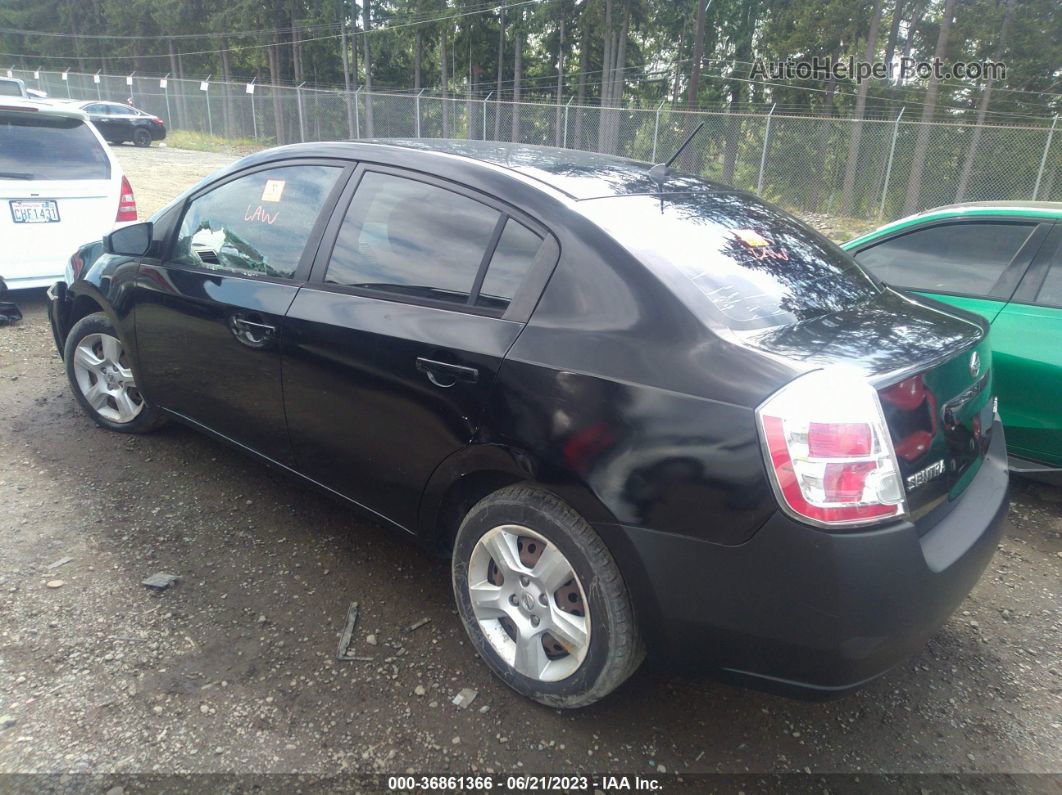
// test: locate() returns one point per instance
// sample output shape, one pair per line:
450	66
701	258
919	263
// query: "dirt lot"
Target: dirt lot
233	669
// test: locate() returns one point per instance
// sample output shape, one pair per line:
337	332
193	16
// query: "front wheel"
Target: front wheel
542	599
142	137
102	379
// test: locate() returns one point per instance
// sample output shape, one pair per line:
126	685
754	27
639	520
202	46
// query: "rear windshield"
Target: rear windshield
34	146
758	266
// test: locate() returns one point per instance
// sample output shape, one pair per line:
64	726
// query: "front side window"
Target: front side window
256	225
35	146
410	238
963	258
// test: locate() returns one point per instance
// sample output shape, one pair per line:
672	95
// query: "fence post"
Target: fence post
205	87
164	84
1043	160
763	154
888	166
66	79
96	80
486	99
302	118
656	129
254	117
566	106
357	115
418	111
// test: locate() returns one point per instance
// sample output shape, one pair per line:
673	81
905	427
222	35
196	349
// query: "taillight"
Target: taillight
157	121
126	203
828	451
76	265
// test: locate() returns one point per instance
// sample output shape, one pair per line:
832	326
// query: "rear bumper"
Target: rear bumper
806	612
31	282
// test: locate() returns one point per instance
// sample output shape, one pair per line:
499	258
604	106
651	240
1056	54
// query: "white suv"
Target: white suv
60	187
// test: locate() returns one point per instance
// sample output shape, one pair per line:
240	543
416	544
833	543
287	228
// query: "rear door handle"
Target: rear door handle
444	374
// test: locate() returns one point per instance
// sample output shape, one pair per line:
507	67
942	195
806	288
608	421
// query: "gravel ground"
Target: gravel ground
233	669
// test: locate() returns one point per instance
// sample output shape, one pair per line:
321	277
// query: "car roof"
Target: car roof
578	174
1014	208
43	108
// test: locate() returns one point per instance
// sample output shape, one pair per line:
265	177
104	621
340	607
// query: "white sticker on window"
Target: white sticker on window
273	190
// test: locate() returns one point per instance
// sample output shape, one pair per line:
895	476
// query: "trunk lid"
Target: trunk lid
85	209
932	367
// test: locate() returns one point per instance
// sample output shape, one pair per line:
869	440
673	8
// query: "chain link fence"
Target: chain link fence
811	165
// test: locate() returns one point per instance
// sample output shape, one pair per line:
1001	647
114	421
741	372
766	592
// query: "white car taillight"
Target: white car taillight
828	450
126	203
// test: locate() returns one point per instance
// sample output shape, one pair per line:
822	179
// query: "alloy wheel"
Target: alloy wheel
529	603
105	379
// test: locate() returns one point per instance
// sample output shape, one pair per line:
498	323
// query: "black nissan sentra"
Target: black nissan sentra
645	414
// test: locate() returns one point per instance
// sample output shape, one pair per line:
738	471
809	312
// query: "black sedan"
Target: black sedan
119	123
644	414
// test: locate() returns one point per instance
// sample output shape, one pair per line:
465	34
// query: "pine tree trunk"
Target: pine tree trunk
854	140
560	84
929	108
982	108
894	33
227	110
908	42
606	78
366	25
698	57
742	53
498	87
518	68
618	80
274	78
580	97
444	74
418	46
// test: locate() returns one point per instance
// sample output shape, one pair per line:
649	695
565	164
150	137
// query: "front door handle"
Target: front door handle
250	325
444	374
252	333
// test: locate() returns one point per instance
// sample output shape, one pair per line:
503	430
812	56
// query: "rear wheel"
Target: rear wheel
102	379
141	137
542	599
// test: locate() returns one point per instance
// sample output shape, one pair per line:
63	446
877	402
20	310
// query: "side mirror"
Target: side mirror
129	241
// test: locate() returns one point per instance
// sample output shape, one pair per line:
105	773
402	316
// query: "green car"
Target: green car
1002	260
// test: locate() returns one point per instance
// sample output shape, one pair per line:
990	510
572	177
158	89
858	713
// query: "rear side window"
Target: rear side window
517	248
9	88
1051	290
963	258
413	239
256	225
35	146
757	266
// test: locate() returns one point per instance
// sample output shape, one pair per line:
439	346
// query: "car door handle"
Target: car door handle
250	325
444	374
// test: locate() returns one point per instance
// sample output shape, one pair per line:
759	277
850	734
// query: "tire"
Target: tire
526	527
141	137
99	374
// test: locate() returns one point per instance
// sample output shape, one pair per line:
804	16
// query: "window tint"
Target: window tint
1051	290
408	237
37	146
756	266
256	225
512	258
955	258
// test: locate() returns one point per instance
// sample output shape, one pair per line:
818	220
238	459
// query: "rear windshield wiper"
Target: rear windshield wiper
16	175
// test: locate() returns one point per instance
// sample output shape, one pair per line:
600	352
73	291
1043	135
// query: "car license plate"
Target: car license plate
44	211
